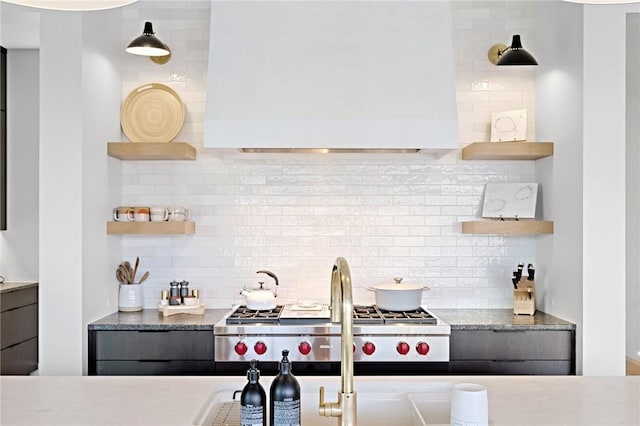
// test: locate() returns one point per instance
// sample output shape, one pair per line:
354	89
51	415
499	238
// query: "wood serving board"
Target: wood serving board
181	309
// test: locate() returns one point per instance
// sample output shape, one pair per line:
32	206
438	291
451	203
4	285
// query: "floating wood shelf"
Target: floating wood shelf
513	227
151	151
148	228
507	150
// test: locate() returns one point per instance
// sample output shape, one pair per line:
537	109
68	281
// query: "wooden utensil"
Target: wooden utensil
125	272
144	277
135	270
119	276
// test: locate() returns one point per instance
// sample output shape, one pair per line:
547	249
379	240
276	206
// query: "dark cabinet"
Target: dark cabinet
19	331
512	351
151	352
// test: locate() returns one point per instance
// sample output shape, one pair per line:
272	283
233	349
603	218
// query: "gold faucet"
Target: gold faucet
342	311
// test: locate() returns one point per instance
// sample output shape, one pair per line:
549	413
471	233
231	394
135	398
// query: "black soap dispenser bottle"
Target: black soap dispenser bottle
284	396
253	401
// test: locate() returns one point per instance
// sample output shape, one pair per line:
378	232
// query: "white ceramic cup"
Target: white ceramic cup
469	406
141	217
141	214
178	214
123	214
159	214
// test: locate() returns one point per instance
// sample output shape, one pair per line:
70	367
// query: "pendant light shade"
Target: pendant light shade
499	54
148	44
72	5
603	1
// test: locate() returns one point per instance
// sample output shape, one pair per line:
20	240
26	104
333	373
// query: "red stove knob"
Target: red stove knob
240	348
403	348
260	348
368	348
304	348
422	348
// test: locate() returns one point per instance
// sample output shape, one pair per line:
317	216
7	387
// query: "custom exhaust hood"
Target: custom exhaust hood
331	76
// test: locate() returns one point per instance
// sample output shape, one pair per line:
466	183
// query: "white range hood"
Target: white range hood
321	75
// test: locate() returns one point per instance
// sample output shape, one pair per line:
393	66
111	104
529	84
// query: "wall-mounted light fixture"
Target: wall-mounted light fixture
602	1
72	5
499	54
149	45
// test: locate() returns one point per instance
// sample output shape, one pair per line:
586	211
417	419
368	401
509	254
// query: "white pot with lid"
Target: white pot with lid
398	296
261	299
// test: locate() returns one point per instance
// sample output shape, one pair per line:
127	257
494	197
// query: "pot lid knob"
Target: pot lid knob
398	280
261	283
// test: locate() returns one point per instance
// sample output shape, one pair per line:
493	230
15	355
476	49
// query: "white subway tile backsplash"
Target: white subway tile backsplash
389	215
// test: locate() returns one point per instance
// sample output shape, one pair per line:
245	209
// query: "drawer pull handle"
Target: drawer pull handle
154	360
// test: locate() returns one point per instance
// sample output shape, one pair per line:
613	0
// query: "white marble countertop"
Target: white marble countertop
522	400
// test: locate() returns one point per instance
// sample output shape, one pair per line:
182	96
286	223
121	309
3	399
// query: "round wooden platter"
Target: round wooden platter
152	113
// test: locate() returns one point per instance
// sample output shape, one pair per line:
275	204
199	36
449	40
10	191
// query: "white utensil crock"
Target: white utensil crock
130	298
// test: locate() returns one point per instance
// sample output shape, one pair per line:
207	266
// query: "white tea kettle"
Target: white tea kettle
261	299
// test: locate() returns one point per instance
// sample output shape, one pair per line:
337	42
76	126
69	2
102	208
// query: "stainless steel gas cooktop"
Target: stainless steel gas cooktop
307	331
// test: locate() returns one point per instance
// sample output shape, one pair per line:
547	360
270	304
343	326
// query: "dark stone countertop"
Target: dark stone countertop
152	319
7	286
458	319
496	319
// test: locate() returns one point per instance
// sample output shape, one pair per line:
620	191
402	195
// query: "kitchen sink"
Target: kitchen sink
375	407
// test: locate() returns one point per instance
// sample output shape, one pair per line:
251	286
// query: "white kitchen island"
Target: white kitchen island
521	400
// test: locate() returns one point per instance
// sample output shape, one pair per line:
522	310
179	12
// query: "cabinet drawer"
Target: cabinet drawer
18	325
510	345
18	298
20	359
506	367
152	368
154	345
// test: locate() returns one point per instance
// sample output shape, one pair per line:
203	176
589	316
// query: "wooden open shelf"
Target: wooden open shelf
513	227
507	150
151	150
148	228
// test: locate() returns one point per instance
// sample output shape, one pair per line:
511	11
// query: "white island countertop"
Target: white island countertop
513	400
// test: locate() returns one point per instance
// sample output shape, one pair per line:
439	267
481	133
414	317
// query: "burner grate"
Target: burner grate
418	316
244	315
366	315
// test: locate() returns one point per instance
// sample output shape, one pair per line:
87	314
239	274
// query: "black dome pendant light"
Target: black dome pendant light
149	45
500	55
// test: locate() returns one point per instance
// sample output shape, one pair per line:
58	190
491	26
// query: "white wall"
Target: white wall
102	175
19	26
19	243
633	189
604	189
559	119
388	215
61	204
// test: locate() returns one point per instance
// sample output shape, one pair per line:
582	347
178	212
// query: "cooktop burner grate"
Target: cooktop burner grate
244	315
418	316
367	315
